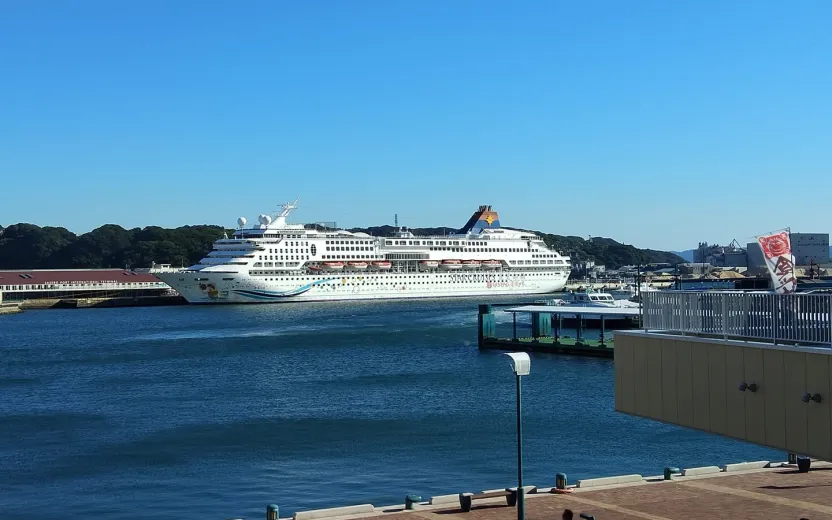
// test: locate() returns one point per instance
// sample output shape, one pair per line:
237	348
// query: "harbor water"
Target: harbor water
214	412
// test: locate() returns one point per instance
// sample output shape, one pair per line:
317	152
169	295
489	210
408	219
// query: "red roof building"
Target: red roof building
73	276
48	283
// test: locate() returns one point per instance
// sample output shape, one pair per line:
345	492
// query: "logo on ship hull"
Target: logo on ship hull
210	289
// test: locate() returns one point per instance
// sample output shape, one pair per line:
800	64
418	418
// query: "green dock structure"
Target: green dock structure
547	325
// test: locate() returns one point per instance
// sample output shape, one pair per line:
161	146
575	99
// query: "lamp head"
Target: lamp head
520	363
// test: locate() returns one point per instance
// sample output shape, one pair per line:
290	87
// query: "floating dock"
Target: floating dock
547	325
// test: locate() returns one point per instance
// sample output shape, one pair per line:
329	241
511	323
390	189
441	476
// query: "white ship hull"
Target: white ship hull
280	262
201	287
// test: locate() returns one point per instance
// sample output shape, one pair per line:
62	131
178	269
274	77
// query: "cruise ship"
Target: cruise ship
275	261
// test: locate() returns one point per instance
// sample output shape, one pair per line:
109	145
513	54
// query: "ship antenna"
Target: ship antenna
396	220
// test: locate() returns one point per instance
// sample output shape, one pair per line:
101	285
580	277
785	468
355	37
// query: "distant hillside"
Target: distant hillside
27	246
687	254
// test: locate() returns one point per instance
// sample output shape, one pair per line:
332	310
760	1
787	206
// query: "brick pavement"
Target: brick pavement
770	494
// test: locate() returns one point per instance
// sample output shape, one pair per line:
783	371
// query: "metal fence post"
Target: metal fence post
829	317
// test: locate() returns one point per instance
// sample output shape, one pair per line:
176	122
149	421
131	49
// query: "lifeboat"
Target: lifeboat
383	265
471	263
333	266
357	265
315	268
451	264
491	264
429	264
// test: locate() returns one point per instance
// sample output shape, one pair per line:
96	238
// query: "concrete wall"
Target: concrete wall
738	259
755	255
810	247
695	382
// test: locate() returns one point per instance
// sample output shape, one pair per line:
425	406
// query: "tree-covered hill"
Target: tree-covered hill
27	246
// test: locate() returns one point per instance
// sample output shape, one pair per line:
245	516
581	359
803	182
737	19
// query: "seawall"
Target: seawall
84	303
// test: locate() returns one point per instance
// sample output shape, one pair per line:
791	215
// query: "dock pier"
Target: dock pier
758	489
548	324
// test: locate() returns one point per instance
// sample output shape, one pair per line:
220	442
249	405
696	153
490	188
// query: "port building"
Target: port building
22	285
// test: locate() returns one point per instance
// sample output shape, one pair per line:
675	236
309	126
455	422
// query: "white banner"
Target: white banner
777	250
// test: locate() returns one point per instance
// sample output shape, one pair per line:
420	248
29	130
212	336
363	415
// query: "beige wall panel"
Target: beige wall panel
716	388
794	379
684	384
773	390
755	402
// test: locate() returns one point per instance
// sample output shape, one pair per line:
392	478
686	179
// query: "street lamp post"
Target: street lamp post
521	365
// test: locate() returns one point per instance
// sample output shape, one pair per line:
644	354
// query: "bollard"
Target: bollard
410	501
560	481
465	502
271	512
670	471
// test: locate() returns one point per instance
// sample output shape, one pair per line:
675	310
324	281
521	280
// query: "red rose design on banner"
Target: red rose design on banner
775	245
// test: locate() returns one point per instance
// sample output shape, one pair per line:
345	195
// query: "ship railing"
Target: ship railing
767	317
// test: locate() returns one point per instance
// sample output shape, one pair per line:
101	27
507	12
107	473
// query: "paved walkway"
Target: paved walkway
771	494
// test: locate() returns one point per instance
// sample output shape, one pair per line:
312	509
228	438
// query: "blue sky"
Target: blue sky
652	122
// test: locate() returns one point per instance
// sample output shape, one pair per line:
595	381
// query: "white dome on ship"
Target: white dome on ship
264	219
241	221
362	235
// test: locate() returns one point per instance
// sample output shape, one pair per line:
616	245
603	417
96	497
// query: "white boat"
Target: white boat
594	299
275	261
628	292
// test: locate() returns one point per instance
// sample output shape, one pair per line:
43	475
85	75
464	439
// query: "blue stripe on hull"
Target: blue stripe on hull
276	295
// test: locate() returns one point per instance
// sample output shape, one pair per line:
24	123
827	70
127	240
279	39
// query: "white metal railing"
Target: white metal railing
786	318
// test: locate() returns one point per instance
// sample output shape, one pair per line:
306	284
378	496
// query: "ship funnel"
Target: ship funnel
483	218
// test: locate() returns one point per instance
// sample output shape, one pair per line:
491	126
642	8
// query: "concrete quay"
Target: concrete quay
10	308
101	302
754	490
